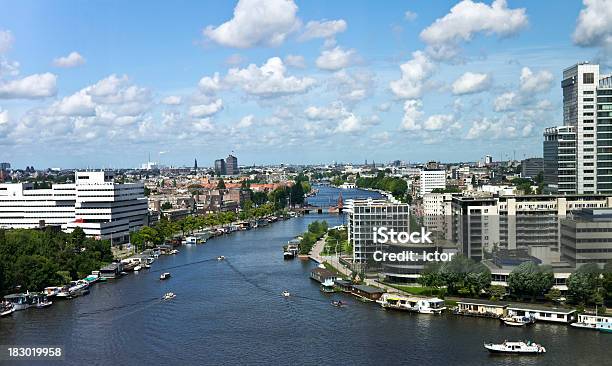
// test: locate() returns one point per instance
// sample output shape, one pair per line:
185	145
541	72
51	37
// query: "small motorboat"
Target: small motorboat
174	251
6	309
137	268
518	321
169	296
221	258
515	348
164	276
286	293
44	304
338	303
288	255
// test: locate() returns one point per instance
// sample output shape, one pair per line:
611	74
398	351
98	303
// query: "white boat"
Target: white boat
286	293
288	255
169	296
147	266
592	321
20	301
174	251
518	320
431	306
6	309
515	348
220	258
398	302
52	291
137	268
164	276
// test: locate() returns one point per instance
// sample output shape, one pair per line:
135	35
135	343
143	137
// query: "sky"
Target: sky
107	84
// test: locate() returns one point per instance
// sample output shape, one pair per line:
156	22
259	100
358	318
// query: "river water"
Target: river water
232	313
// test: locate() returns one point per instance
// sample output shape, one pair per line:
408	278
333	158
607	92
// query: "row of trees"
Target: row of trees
460	276
34	259
590	285
316	230
337	241
396	186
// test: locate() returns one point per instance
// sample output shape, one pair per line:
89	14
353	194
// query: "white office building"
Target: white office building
364	215
102	208
437	213
432	179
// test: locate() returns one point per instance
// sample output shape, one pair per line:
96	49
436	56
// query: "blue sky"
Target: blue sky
104	84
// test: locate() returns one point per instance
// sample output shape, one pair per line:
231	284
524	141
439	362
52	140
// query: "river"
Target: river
232	312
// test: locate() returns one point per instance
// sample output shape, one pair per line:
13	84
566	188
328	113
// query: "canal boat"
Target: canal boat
327	286
19	301
288	255
398	302
6	309
594	322
515	348
164	276
169	296
431	306
518	321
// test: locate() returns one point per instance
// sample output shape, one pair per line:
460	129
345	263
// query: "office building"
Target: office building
488	160
5	166
220	168
431	179
231	165
532	167
482	225
578	155
437	213
586	237
102	208
365	214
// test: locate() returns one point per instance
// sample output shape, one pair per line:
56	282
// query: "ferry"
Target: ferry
595	322
515	348
518	321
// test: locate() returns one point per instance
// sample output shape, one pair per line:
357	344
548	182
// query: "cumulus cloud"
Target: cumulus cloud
350	123
72	60
256	23
335	59
210	85
438	122
538	82
206	110
4	117
352	86
334	111
246	121
295	61
30	87
468	18
412	115
269	80
486	128
77	104
414	74
470	83
171	100
8	68
6	40
323	29
593	27
505	102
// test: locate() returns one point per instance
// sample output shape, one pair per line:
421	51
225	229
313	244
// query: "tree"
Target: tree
221	184
497	292
77	237
530	279
553	295
431	276
584	284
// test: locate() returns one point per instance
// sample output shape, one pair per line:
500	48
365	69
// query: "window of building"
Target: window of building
588	78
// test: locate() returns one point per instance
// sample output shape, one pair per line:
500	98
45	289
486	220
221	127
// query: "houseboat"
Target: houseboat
592	321
555	315
367	293
190	240
322	275
40	301
398	302
111	271
518	320
327	286
480	308
288	255
20	301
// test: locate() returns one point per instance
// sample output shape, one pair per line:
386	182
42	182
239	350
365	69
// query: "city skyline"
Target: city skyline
304	83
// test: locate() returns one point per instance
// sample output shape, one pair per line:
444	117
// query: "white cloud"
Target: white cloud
10	68
210	85
412	115
468	18
414	73
334	111
505	102
335	59
486	128
593	27
295	61
30	87
322	29
203	125
171	100
350	123
78	104
6	40
4	117
206	110
269	80
438	122
352	86
470	83
533	83
246	121
410	15
72	60
256	23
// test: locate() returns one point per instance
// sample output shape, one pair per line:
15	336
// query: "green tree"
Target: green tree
530	279
497	292
583	285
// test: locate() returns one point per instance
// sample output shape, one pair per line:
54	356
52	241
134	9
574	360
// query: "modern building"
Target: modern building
582	162
532	167
220	168
431	179
364	215
488	160
102	208
5	166
482	225
586	237
437	213
231	165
